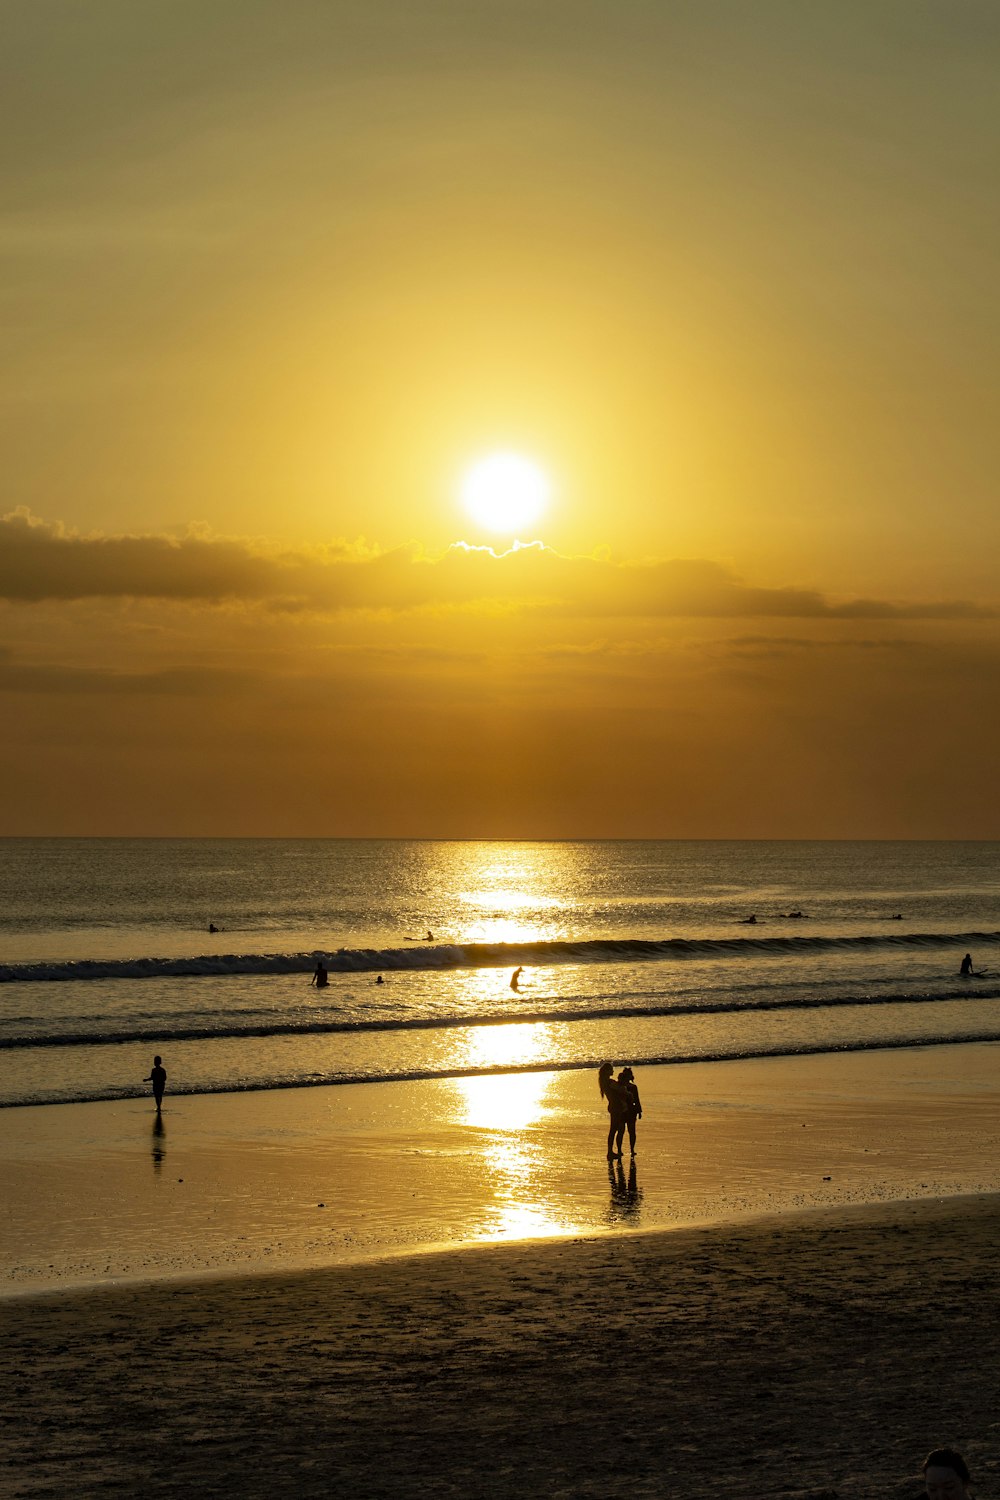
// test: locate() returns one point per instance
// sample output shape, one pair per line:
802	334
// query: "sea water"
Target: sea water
631	951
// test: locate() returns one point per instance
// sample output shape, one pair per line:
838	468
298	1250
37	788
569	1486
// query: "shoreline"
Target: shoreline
499	1070
847	1215
816	1355
293	1179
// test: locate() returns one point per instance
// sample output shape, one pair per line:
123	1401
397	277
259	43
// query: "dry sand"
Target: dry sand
815	1355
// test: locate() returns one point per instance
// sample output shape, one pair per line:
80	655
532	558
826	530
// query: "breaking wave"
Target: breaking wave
481	955
254	1028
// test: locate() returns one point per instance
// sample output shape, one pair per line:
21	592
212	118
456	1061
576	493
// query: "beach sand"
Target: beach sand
815	1355
796	1296
310	1177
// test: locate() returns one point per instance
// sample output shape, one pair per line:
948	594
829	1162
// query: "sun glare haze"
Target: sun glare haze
695	300
504	492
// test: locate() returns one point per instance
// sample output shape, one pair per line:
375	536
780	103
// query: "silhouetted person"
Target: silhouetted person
631	1105
428	936
946	1475
158	1078
612	1091
212	927
380	980
515	978
321	978
965	969
750	920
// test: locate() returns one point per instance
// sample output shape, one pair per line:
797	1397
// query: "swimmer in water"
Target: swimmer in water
515	978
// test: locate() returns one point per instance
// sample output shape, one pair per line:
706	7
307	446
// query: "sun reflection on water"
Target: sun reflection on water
507	1108
517	1044
507	900
517	895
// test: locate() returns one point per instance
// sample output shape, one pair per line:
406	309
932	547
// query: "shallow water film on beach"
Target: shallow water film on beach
466	959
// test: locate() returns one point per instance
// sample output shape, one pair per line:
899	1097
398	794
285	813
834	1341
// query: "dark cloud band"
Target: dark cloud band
39	562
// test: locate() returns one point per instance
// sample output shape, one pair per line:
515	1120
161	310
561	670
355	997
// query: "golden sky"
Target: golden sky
276	272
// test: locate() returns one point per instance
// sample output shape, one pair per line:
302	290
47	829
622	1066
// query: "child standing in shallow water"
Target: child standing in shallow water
158	1078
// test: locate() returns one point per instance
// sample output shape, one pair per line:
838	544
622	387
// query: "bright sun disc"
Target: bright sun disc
505	492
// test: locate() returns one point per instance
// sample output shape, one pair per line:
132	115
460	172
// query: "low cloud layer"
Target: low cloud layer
201	685
40	561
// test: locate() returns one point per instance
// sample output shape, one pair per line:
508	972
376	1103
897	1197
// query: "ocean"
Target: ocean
631	951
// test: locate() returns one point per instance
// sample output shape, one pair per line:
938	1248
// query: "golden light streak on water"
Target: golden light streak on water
510	1102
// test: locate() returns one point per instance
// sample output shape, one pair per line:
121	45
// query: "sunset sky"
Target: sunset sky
277	273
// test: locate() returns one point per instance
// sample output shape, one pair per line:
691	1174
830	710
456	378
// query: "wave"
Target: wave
479	955
254	1029
554	1065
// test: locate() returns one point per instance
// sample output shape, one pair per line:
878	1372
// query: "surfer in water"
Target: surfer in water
515	978
321	978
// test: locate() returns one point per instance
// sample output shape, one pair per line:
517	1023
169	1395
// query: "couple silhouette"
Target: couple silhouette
624	1106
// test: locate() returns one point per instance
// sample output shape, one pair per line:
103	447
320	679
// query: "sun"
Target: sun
504	492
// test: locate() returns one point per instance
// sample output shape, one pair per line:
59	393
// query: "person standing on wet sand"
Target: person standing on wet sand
631	1104
614	1093
158	1078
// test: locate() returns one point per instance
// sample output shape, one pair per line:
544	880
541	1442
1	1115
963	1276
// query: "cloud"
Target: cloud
182	682
40	561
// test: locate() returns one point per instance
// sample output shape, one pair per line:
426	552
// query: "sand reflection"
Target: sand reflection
159	1142
508	1101
508	1108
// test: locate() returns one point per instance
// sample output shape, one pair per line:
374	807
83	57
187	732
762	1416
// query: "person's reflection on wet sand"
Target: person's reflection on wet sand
626	1195
159	1148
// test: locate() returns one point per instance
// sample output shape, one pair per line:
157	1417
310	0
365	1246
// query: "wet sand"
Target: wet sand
312	1177
809	1309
